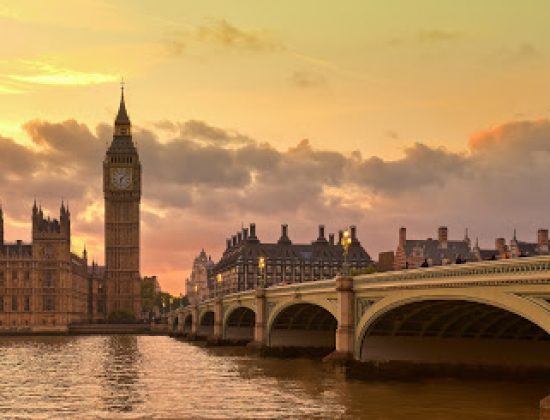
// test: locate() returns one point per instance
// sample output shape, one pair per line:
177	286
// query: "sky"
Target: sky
379	114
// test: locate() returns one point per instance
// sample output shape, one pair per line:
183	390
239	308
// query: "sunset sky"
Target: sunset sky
375	113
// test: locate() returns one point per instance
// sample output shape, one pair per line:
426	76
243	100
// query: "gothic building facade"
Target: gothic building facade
44	287
196	285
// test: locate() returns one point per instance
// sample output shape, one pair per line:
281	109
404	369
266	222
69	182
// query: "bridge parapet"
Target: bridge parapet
532	268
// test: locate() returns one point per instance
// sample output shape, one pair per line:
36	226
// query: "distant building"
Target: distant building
285	262
196	286
386	261
153	281
529	249
414	253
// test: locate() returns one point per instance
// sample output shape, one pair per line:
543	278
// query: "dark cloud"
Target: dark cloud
206	181
199	130
421	166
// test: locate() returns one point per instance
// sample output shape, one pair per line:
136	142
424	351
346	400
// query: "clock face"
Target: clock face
121	178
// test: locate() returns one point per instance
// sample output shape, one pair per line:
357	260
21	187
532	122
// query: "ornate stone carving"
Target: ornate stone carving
361	306
269	307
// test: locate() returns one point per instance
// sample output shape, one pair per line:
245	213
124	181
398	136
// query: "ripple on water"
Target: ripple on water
142	377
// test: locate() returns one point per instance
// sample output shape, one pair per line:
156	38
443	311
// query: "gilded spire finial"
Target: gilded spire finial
122	116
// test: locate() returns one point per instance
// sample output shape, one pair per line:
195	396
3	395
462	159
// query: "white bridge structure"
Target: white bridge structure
493	312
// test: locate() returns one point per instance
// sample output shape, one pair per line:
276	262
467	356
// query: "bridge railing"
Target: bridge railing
523	265
488	268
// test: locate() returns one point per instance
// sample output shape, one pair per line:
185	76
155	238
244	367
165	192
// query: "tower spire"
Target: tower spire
122	118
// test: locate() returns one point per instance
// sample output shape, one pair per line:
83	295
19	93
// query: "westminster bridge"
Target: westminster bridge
492	312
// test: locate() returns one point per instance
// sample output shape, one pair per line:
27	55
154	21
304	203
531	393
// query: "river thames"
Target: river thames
159	377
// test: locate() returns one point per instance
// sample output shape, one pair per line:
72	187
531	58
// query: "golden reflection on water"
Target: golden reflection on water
159	377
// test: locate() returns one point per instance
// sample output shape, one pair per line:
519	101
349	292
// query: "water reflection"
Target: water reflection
120	378
148	377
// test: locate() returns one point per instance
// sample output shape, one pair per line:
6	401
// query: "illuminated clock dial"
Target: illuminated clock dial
121	178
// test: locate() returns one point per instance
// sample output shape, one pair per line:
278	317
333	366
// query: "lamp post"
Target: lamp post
345	242
261	267
218	283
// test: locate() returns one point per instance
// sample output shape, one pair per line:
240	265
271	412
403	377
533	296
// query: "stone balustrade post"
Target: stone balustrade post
218	319
345	333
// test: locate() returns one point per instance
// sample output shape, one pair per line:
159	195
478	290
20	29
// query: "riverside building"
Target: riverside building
285	262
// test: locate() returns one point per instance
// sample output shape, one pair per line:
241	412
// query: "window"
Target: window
1	279
14	278
49	303
27	279
14	303
48	281
27	304
1	303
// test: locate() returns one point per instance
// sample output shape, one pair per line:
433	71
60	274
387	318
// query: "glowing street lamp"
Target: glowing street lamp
218	282
261	267
345	242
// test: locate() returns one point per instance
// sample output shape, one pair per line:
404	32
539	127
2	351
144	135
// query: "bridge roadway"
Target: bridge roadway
486	313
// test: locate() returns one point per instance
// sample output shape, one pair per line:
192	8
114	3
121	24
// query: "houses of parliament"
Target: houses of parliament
44	287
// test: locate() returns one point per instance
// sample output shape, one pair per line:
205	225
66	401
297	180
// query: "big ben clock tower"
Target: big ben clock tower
122	190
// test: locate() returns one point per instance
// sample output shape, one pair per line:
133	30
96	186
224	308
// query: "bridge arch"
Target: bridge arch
206	323
187	322
499	328
239	323
302	324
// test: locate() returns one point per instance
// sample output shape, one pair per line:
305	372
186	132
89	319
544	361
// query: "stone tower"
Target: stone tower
51	238
122	191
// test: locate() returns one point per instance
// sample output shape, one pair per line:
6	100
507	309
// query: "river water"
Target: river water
142	377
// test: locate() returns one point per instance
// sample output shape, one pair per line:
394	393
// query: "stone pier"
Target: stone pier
260	328
345	334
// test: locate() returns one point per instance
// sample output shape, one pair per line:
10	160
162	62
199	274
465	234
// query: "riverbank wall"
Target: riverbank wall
88	329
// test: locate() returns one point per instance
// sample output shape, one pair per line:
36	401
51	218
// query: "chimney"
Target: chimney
353	233
228	243
245	234
500	244
321	233
234	240
402	236
442	233
252	230
284	239
331	238
239	237
542	239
